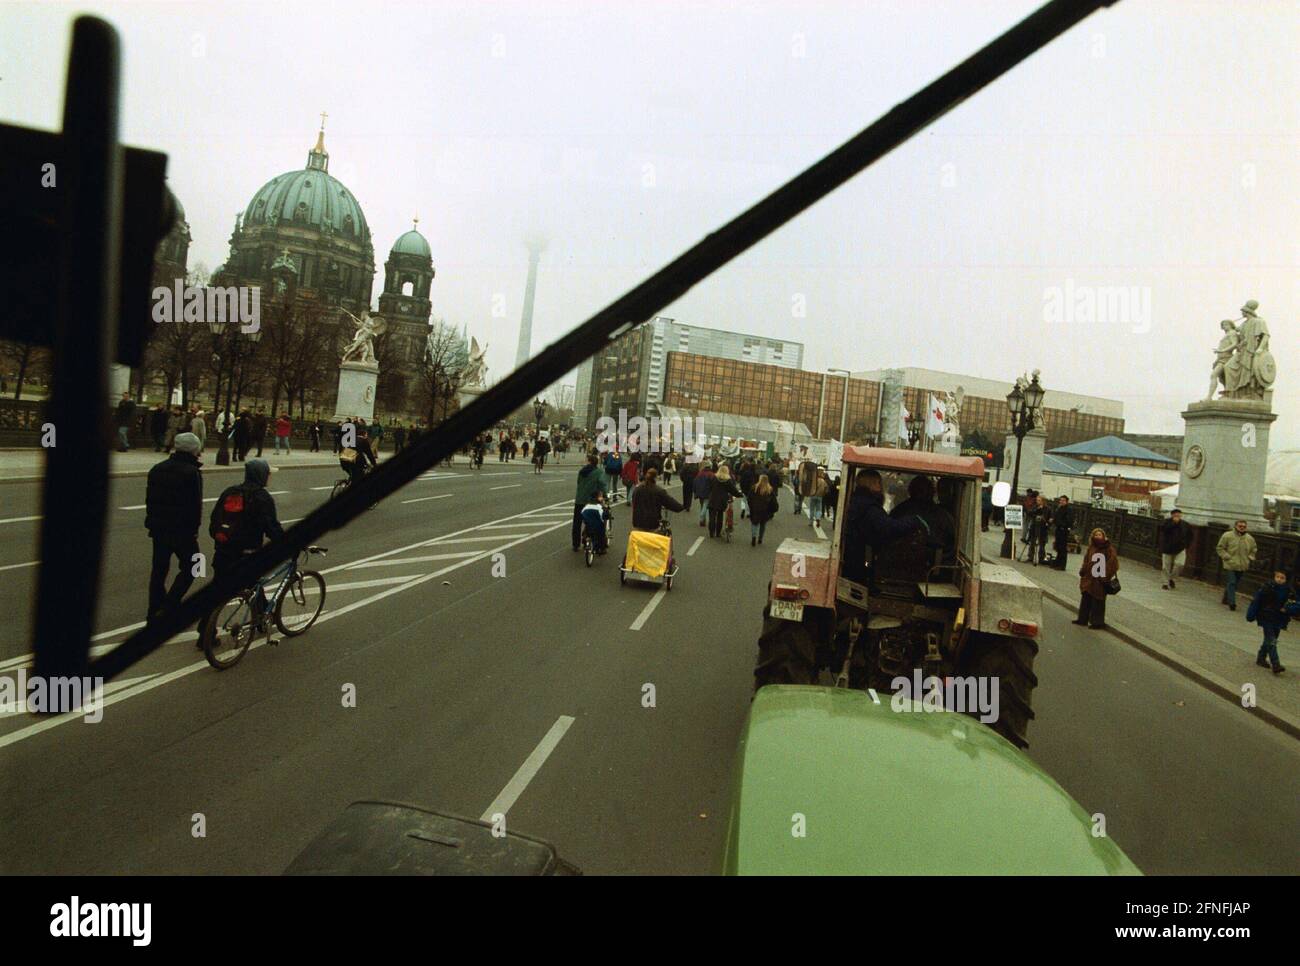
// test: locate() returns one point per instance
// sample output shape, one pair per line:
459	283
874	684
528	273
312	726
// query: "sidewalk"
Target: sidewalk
17	465
1186	628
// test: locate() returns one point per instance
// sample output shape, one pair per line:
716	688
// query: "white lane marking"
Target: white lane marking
330	487
528	770
19	519
527	522
695	546
294	520
425	543
649	609
359	584
554	481
210	499
421	499
22	734
487	539
505	486
30	563
413	560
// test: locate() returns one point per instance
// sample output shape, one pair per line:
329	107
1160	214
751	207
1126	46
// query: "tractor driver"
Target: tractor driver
866	524
938	518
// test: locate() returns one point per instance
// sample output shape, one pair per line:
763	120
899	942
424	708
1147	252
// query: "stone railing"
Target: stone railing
1137	538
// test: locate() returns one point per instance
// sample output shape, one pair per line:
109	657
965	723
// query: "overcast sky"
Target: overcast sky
1154	149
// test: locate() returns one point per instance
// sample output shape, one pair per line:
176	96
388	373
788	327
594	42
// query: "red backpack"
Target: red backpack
232	528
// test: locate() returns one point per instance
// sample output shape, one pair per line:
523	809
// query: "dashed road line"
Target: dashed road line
527	771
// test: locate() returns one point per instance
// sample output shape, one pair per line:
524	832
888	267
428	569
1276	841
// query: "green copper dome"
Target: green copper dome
310	198
412	243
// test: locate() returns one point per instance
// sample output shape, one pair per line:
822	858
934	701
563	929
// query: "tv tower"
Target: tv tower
536	244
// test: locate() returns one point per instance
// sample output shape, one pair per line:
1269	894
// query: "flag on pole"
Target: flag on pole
936	418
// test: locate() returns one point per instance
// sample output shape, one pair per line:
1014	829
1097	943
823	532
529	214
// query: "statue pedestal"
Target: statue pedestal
467	394
948	445
356	398
1225	454
1031	460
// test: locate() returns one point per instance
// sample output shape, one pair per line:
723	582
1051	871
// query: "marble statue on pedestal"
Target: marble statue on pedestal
1243	364
474	375
362	347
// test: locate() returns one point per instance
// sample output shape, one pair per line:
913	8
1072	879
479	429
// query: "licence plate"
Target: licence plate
788	610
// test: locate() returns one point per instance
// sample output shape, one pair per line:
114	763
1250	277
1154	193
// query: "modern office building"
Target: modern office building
630	372
1070	417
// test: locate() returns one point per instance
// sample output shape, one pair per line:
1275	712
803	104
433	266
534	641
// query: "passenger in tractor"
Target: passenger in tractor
941	526
867	525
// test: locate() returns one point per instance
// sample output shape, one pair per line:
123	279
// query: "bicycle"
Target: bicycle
294	605
344	483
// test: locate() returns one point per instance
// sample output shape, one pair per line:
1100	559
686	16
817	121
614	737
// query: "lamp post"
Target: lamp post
844	409
914	424
539	410
1024	408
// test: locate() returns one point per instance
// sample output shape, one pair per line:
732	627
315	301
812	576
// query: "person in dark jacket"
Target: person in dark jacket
1272	609
125	419
867	525
316	430
986	506
763	506
774	475
649	500
158	426
258	427
399	437
1100	566
724	488
1062	524
243	435
260	521
688	469
591	483
1175	535
173	508
702	486
747	476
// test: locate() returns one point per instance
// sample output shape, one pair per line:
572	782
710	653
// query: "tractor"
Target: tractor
922	615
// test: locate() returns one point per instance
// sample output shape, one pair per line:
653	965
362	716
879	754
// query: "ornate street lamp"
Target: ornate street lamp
539	410
1024	406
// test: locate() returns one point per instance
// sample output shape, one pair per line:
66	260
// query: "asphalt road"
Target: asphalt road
522	692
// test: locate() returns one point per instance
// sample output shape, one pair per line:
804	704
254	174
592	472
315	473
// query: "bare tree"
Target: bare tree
24	362
438	372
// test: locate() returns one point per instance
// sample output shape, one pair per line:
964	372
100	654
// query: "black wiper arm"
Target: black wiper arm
642	302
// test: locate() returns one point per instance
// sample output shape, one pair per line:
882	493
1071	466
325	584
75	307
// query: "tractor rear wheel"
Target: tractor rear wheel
787	653
1011	661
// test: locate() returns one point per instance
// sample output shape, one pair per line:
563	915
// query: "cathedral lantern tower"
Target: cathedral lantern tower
404	302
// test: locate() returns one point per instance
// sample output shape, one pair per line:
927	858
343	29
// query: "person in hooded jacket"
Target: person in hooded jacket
688	469
173	508
591	483
259	520
1100	566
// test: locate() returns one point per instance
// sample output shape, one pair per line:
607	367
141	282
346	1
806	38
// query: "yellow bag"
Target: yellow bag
647	553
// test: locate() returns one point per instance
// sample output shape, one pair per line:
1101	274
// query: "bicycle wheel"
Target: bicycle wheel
228	632
301	603
339	487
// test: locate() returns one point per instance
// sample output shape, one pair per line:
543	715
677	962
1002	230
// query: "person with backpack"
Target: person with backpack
613	472
243	517
173	507
702	486
1272	609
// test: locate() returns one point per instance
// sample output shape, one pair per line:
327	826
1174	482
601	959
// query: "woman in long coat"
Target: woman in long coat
1100	566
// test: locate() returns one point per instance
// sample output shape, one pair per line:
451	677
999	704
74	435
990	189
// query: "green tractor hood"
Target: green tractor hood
828	782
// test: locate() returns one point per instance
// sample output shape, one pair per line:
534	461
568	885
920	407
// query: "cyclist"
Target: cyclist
649	500
591	486
363	454
480	447
244	515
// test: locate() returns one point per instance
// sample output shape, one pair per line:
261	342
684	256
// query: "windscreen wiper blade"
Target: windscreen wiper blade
640	303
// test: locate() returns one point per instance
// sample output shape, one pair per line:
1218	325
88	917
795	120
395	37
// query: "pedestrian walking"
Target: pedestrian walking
703	489
199	427
316	431
173	508
817	497
763	506
806	480
1272	609
1174	537
124	416
399	437
831	504
177	422
720	494
283	429
631	473
242	435
670	468
1236	550
986	506
1097	580
1062	525
336	436
259	431
158	426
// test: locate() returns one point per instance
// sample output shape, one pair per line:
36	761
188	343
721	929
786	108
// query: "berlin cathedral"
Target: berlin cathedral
308	221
